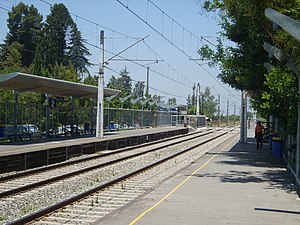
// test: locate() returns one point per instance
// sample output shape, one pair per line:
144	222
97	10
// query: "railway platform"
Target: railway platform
23	155
232	184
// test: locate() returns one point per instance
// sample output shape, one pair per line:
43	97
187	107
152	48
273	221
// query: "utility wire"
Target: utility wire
201	37
94	23
26	50
169	64
125	35
178	48
1	7
149	86
132	61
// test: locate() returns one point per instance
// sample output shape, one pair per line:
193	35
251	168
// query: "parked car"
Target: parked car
67	129
33	129
22	132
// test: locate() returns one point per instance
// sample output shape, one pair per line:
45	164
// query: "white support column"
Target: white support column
100	108
197	102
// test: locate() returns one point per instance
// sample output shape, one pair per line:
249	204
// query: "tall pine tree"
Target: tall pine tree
78	53
53	45
24	23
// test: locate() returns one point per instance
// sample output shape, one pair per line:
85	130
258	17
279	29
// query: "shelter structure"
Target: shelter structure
21	82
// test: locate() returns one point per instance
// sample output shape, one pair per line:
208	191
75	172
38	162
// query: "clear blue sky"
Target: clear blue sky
171	78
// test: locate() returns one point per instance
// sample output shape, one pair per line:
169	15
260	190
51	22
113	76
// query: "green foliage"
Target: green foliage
2	217
138	90
123	83
279	102
11	61
207	102
62	72
53	45
24	23
244	23
78	52
172	100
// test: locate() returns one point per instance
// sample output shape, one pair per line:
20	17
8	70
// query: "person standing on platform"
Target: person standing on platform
259	135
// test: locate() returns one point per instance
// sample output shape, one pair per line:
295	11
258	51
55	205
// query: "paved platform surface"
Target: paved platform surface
18	147
240	185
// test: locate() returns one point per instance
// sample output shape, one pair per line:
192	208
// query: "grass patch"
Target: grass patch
2	217
27	210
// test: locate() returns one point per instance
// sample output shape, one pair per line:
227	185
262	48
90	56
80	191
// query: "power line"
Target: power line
132	61
171	42
126	36
201	37
169	64
1	7
164	92
23	49
94	23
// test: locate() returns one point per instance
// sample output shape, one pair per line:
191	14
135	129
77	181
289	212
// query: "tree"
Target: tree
138	90
24	23
12	59
208	103
241	65
78	53
172	101
123	83
53	45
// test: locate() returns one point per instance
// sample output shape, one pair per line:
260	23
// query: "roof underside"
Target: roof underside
27	82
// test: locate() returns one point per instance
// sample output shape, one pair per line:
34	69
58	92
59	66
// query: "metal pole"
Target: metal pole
219	116
147	90
15	113
47	115
234	113
72	116
227	112
99	126
243	130
298	140
198	104
92	116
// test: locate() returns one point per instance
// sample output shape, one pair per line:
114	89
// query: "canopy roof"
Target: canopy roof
27	82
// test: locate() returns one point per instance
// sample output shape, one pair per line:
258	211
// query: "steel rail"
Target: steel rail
56	206
62	164
88	169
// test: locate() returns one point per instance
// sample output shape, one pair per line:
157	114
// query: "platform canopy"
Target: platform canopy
27	82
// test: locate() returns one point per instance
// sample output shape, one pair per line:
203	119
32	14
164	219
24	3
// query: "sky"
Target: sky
173	30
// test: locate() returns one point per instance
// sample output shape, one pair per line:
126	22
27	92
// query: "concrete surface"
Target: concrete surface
240	185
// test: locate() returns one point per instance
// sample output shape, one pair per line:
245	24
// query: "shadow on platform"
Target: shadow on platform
254	166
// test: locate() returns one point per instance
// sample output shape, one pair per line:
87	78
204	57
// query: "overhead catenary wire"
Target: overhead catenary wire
157	72
171	42
164	92
128	36
3	7
92	22
141	65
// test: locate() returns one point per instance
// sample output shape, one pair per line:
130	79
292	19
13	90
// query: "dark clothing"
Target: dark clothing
259	135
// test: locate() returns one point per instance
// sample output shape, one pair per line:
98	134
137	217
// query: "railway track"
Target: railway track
116	168
34	178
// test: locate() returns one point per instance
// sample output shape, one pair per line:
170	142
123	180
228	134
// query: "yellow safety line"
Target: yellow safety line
178	186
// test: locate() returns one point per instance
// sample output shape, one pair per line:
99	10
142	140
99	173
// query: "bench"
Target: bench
19	136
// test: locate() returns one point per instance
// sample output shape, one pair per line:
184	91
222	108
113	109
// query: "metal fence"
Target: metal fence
67	119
